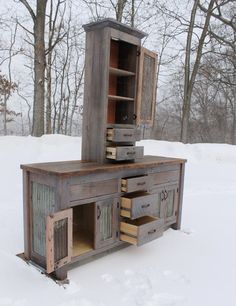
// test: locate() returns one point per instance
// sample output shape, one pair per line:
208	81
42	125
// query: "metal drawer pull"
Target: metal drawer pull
130	153
145	205
141	183
152	232
128	135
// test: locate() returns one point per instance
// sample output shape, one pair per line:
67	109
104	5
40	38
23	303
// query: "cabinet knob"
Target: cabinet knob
152	232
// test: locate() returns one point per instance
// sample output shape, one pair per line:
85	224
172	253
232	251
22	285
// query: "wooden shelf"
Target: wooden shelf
81	243
120	72
120	98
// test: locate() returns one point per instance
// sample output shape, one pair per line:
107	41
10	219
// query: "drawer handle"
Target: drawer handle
145	205
130	153
128	135
152	232
141	183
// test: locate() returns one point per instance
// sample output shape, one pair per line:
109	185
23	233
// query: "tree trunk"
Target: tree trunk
189	78
120	9
39	68
5	114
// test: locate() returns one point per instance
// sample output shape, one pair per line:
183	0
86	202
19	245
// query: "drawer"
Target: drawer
93	189
164	177
137	205
124	153
141	230
131	184
123	135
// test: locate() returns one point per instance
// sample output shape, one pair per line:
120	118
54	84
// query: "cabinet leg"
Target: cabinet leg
60	274
177	225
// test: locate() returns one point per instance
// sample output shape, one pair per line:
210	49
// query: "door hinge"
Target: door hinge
118	204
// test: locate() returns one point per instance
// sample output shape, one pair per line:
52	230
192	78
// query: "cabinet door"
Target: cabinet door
106	224
58	239
146	94
171	203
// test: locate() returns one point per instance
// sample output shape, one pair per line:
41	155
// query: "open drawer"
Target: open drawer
141	230
138	204
132	184
123	135
124	153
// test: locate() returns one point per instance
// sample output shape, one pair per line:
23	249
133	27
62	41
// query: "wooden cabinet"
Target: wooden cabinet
76	210
120	91
115	196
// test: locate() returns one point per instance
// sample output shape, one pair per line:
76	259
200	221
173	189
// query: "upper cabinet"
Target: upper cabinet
119	91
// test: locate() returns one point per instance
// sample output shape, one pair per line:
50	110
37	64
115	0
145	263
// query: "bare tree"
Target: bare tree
38	17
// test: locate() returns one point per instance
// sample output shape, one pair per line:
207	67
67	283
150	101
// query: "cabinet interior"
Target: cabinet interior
83	228
122	82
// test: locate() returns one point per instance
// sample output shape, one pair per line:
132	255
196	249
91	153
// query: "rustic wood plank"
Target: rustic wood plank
93	189
78	167
26	214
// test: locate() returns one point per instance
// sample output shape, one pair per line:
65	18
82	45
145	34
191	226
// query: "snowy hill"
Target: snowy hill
191	267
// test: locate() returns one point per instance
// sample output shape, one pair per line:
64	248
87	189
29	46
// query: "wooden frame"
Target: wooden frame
51	265
140	98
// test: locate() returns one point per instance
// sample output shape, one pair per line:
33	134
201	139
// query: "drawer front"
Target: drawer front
93	189
124	153
139	206
142	230
132	184
163	178
123	135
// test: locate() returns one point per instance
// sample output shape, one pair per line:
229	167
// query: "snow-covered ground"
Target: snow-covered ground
192	267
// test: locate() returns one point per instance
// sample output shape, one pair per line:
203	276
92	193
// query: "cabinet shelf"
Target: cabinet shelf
120	72
120	98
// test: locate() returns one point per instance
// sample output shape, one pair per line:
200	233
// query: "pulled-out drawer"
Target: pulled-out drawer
132	184
123	135
141	230
137	205
164	177
124	153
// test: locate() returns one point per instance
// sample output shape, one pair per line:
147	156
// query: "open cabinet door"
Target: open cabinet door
58	239
146	93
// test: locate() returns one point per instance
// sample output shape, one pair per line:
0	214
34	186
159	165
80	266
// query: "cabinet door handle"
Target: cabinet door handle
134	116
162	196
145	205
152	232
128	135
98	212
166	195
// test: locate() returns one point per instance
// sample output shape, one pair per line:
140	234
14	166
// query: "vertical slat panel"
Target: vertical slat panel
43	204
106	221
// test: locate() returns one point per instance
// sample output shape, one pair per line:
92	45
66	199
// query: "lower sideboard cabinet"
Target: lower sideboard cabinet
74	211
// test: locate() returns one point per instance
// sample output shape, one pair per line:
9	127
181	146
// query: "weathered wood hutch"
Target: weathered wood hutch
115	196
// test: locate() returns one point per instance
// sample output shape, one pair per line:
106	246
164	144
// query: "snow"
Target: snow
191	267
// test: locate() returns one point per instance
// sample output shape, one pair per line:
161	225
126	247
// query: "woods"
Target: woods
44	62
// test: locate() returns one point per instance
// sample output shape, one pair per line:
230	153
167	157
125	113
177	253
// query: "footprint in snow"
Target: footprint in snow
188	231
